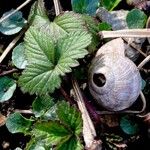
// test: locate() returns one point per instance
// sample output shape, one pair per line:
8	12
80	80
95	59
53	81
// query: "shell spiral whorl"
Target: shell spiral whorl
114	80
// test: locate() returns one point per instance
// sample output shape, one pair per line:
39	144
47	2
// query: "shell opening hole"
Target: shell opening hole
99	79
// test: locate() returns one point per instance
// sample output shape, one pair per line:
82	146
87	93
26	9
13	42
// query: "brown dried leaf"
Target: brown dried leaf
2	120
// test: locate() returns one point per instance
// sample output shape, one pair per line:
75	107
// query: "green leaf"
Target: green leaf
55	132
136	19
128	125
18	56
62	24
72	144
41	105
7	88
85	6
48	60
70	116
110	4
12	24
104	26
17	123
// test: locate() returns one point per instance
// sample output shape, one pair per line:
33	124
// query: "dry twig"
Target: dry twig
17	9
89	132
57	7
146	60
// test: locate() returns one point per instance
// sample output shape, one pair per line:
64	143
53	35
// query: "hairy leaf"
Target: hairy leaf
85	6
55	132
17	123
7	88
136	19
18	56
72	144
62	24
48	60
70	116
41	105
12	24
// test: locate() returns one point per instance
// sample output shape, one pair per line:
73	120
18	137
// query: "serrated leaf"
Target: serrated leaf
128	126
17	123
70	116
7	88
85	6
136	19
41	105
110	4
18	56
12	24
72	144
62	24
55	131
47	60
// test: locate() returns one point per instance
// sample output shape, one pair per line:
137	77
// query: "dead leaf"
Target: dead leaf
2	120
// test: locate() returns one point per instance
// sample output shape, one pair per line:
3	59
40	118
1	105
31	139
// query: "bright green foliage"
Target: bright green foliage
70	116
18	56
110	4
85	6
12	24
48	60
17	123
104	26
41	105
7	88
129	126
136	19
62	24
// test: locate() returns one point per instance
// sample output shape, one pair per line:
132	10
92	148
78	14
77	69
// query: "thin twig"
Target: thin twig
17	9
24	111
8	72
57	7
89	132
11	45
146	60
128	33
134	47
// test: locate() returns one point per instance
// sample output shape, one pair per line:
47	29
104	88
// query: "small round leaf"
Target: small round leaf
136	19
7	88
18	56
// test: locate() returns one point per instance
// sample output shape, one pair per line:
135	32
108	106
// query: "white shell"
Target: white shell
122	79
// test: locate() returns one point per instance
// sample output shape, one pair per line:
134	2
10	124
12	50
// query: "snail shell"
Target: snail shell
114	80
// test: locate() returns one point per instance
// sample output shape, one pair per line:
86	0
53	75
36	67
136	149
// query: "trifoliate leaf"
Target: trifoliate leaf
110	4
18	56
48	60
17	123
41	105
128	126
85	6
7	88
55	132
72	144
70	116
12	24
62	24
136	19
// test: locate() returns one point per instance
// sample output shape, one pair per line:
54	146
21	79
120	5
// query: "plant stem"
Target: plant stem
8	72
24	111
18	8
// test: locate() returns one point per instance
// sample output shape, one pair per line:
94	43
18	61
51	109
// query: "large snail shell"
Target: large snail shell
114	80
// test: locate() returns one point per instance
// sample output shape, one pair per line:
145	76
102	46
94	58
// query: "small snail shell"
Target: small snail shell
114	80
